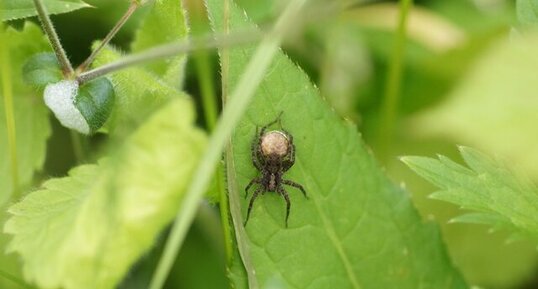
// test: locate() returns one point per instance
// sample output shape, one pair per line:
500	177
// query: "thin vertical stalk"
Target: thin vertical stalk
233	194
14	280
394	79
232	113
78	146
207	87
53	38
7	91
132	8
202	63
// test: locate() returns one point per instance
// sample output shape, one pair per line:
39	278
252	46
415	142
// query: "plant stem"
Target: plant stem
207	88
233	194
167	50
7	91
204	68
53	38
14	279
78	147
224	213
231	115
394	79
132	8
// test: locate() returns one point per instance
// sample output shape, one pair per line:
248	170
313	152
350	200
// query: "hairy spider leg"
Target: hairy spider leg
284	193
254	150
256	180
291	153
254	196
264	128
295	185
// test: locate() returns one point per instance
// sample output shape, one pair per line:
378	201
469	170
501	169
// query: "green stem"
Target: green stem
168	50
207	88
132	8
78	147
394	79
224	213
7	91
14	279
204	68
53	38
233	194
231	115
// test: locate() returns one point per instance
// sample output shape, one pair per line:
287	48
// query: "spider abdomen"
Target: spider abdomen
274	143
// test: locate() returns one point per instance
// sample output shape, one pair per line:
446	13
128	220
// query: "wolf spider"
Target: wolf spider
273	153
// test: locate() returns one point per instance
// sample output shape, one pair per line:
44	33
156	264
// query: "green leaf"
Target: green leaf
95	101
494	106
42	69
527	12
138	94
16	9
498	195
31	116
87	229
165	23
357	230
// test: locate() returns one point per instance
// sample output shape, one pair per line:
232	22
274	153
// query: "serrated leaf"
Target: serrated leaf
494	107
138	93
31	116
501	198
477	218
527	12
17	9
85	230
357	230
165	23
42	69
95	101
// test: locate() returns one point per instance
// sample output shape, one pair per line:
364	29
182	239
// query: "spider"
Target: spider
273	153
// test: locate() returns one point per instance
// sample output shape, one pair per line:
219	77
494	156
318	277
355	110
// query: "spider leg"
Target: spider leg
264	128
256	180
287	163
283	192
254	149
295	185
254	196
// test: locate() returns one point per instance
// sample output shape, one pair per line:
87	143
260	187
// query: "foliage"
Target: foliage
96	210
31	116
85	230
527	11
349	224
499	196
16	9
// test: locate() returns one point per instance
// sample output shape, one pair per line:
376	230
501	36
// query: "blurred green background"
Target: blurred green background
461	84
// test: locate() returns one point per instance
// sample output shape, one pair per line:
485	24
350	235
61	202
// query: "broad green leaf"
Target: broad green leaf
42	69
494	107
527	12
95	101
499	196
138	93
16	9
87	229
31	115
165	23
357	230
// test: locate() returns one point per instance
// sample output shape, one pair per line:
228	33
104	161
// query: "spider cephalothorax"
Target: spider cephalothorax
273	153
